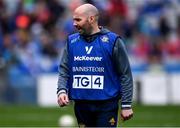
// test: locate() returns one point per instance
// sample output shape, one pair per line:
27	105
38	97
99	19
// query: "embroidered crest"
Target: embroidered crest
105	39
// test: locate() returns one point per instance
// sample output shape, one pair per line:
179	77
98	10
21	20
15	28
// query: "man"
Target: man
95	72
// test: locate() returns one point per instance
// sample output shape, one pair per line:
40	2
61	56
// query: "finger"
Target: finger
60	102
66	99
124	118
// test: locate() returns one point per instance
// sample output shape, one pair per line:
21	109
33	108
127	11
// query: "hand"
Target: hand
63	99
126	114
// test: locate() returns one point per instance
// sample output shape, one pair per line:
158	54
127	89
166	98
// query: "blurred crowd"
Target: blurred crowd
33	34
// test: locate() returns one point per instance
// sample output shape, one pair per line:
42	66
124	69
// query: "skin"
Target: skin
85	20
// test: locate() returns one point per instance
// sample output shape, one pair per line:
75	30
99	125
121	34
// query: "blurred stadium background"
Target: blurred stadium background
33	34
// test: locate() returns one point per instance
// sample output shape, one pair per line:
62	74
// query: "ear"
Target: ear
91	19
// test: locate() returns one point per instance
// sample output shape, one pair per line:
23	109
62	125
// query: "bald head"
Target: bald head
88	10
85	19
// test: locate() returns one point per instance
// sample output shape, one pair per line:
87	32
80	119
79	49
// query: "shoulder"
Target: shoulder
112	34
115	40
109	33
73	37
115	36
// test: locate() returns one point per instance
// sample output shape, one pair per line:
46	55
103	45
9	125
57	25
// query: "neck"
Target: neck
95	30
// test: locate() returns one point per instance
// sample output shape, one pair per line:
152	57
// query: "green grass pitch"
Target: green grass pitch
34	116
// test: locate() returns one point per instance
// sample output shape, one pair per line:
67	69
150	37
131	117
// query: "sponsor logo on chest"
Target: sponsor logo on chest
87	58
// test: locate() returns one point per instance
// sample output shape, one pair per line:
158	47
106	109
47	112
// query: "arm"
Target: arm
122	66
63	79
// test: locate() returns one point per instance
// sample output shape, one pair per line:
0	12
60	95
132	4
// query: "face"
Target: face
82	23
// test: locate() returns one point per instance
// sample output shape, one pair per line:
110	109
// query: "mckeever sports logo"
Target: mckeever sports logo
87	58
88	49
